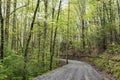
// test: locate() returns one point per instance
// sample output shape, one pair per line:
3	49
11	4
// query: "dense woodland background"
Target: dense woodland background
34	33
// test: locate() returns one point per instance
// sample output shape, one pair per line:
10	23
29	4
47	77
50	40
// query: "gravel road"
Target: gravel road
75	70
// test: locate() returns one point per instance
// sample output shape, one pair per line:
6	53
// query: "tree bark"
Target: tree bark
14	27
83	34
8	5
51	38
2	32
45	31
68	25
82	10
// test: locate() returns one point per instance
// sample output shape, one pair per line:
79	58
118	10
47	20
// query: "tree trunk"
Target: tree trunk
45	31
7	22
82	10
14	27
28	42
55	35
68	25
2	32
83	34
51	38
26	20
111	21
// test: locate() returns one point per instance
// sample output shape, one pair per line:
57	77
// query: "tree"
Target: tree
2	32
82	12
51	37
28	41
14	27
55	35
45	30
68	25
8	7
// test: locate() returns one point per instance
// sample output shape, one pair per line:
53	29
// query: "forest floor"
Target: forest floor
103	73
76	70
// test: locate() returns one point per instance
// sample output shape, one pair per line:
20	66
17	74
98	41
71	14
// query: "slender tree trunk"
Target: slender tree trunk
7	22
68	25
51	38
104	25
14	27
111	21
25	25
45	31
83	34
55	35
39	44
2	32
118	6
82	10
28	42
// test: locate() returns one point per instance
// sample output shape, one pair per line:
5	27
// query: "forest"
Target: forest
34	34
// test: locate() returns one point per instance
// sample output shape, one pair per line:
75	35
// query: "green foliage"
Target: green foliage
116	70
2	72
12	67
33	68
110	66
13	64
101	24
113	49
64	45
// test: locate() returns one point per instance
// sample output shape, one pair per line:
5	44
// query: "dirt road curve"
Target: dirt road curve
75	70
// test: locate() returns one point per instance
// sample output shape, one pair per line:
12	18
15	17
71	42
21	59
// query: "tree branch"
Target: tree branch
18	9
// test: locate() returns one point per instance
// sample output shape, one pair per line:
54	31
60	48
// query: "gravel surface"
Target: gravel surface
75	70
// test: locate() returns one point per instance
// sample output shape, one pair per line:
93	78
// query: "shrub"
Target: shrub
2	72
113	49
